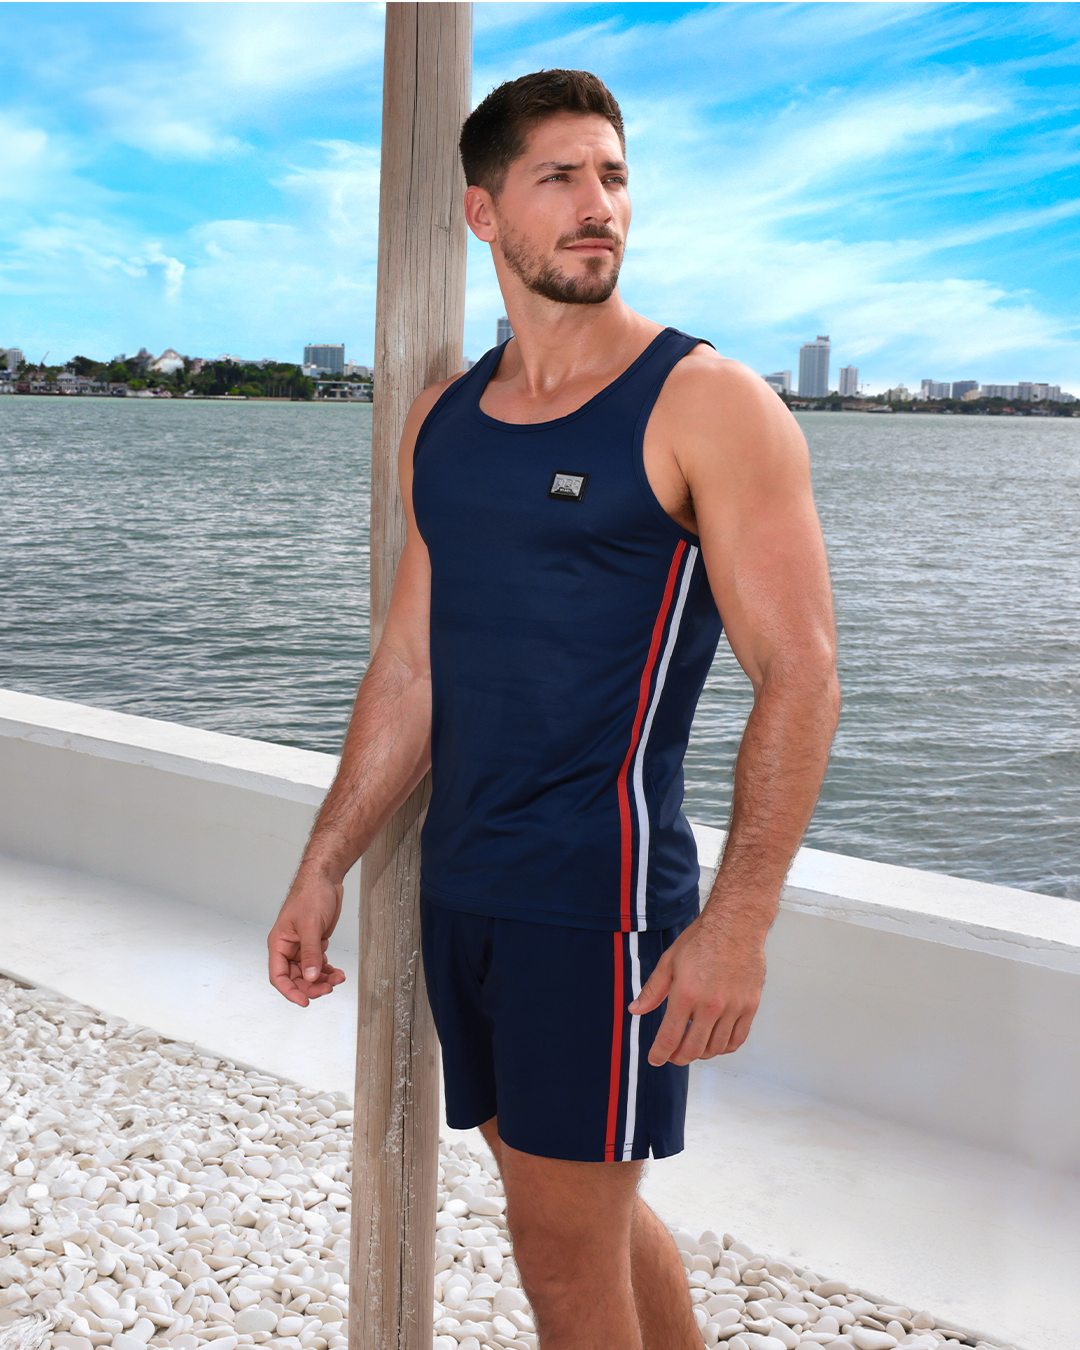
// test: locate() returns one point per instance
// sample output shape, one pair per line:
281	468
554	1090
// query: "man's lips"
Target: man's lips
592	246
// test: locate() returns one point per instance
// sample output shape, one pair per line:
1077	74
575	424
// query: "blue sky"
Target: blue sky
904	177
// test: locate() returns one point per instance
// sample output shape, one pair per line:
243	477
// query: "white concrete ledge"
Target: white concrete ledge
999	920
203	818
903	1115
937	1003
259	766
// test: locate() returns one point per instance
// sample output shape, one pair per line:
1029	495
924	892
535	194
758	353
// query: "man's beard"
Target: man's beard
544	278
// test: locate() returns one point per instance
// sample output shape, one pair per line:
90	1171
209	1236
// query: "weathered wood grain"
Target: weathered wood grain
418	339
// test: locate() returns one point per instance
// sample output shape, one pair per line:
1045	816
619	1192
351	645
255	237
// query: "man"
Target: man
583	506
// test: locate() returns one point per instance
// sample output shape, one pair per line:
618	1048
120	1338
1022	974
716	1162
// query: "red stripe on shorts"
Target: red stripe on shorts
616	1051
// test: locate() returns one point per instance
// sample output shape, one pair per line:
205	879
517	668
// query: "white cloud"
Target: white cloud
145	119
172	268
226	63
32	162
341	195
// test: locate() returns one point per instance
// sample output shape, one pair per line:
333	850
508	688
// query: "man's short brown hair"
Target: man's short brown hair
496	131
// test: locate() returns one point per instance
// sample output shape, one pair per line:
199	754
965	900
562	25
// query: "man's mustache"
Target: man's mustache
589	232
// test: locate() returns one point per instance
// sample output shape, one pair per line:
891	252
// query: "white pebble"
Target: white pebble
196	1180
14	1218
866	1338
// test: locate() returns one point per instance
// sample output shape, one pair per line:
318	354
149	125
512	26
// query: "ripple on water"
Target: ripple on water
207	563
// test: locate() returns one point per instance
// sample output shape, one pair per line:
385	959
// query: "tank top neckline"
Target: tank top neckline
587	406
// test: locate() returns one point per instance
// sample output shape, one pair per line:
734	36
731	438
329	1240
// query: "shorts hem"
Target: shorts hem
654	1148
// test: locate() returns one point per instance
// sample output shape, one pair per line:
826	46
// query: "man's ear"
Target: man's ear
480	213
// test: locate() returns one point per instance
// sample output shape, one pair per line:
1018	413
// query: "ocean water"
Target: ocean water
207	563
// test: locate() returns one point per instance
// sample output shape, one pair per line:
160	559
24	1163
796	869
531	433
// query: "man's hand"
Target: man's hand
297	942
711	977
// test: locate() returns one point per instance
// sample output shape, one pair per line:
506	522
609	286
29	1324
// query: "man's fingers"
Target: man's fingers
670	1035
312	956
741	1030
719	1042
695	1040
282	952
655	989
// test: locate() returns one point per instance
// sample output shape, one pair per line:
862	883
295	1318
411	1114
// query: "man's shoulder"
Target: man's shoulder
708	388
705	372
421	405
428	397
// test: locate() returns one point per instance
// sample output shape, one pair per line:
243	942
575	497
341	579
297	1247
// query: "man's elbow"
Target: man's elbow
809	678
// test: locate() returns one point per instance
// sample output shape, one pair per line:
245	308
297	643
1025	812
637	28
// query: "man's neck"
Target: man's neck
558	345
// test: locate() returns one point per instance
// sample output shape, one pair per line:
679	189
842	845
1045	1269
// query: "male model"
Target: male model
584	506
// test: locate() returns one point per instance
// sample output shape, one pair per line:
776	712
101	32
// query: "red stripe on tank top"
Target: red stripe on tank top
616	1051
627	858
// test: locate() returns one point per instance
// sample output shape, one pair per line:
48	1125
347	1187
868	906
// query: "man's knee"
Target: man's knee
560	1250
565	1279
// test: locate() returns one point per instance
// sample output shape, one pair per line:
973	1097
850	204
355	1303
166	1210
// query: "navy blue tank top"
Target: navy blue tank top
572	627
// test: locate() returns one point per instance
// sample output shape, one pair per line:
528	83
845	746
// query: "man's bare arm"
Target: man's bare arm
749	483
386	753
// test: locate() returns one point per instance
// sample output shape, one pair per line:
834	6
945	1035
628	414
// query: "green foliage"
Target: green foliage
87	367
277	380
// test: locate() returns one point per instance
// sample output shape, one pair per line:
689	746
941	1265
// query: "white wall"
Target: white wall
216	820
932	1001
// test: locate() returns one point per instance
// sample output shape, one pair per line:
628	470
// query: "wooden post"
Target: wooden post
420	303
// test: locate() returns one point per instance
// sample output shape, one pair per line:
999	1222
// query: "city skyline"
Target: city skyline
814	366
902	174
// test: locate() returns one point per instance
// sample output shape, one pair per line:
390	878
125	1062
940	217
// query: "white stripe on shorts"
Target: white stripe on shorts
632	1071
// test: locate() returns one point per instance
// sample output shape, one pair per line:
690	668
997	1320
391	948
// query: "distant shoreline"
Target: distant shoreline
195	398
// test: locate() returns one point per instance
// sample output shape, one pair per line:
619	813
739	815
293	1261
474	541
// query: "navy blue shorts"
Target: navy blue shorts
533	1026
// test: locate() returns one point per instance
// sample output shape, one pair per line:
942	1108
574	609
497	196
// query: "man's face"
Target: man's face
562	216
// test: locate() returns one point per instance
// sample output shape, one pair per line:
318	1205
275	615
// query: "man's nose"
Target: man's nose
594	205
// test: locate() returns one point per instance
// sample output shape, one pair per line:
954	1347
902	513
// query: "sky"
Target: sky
903	177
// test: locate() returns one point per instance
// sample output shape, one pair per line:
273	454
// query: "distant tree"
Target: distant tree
84	365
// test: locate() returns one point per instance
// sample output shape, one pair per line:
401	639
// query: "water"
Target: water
207	563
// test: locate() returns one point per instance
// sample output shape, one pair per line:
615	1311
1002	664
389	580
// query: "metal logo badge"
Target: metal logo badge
568	487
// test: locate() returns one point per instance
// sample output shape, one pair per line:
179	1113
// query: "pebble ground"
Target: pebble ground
150	1196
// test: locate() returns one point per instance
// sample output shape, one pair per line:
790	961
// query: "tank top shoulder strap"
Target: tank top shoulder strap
652	368
474	381
660	358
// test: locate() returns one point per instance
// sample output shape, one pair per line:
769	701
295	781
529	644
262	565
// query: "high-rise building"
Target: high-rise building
503	331
849	381
12	357
330	356
962	387
934	389
814	368
780	380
